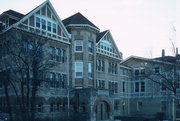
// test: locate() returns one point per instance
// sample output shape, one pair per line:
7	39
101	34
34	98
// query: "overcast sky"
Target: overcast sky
139	27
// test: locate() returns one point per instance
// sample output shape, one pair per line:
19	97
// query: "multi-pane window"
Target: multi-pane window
57	54
139	105
39	107
78	45
113	87
43	22
116	104
63	55
90	69
123	84
78	69
90	46
52	107
136	86
100	65
105	45
142	86
139	86
112	68
100	84
38	21
51	52
57	80
46	25
136	72
49	26
54	28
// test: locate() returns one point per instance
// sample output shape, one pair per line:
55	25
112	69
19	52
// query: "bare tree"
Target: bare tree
25	63
166	75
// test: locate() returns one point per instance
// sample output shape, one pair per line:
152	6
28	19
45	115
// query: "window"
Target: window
139	105
40	107
58	107
64	80
58	54
38	22
116	104
142	71
123	86
78	45
142	86
52	107
52	76
136	86
43	24
49	26
52	51
63	55
112	68
101	84
156	70
54	28
90	69
115	87
136	72
78	69
163	106
90	46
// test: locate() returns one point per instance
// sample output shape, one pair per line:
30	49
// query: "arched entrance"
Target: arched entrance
102	111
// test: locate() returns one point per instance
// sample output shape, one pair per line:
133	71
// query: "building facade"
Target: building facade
88	80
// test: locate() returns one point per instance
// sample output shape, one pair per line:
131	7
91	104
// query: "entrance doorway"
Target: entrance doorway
102	111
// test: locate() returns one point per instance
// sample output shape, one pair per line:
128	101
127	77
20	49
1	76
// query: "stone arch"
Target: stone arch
102	108
106	100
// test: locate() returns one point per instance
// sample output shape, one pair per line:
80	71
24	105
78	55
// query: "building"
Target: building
154	86
84	75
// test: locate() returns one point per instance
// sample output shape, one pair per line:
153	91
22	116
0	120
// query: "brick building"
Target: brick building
89	81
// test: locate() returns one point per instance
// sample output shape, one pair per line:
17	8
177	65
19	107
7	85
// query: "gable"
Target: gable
107	46
44	20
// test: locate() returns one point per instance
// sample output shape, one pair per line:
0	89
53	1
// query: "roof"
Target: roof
100	35
124	62
14	13
170	59
78	18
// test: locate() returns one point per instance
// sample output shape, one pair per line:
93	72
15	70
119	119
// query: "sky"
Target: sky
139	27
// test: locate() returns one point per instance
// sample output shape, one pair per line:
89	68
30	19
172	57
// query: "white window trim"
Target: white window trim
47	20
76	70
75	46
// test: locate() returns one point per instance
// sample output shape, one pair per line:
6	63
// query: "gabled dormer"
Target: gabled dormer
44	20
9	18
105	45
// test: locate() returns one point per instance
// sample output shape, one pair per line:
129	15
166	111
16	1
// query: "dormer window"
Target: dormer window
54	28
43	24
49	26
38	22
46	25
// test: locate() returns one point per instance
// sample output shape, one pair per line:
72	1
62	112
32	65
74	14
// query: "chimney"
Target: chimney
163	52
176	51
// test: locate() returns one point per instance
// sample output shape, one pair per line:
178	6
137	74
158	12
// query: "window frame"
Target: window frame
81	69
80	44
